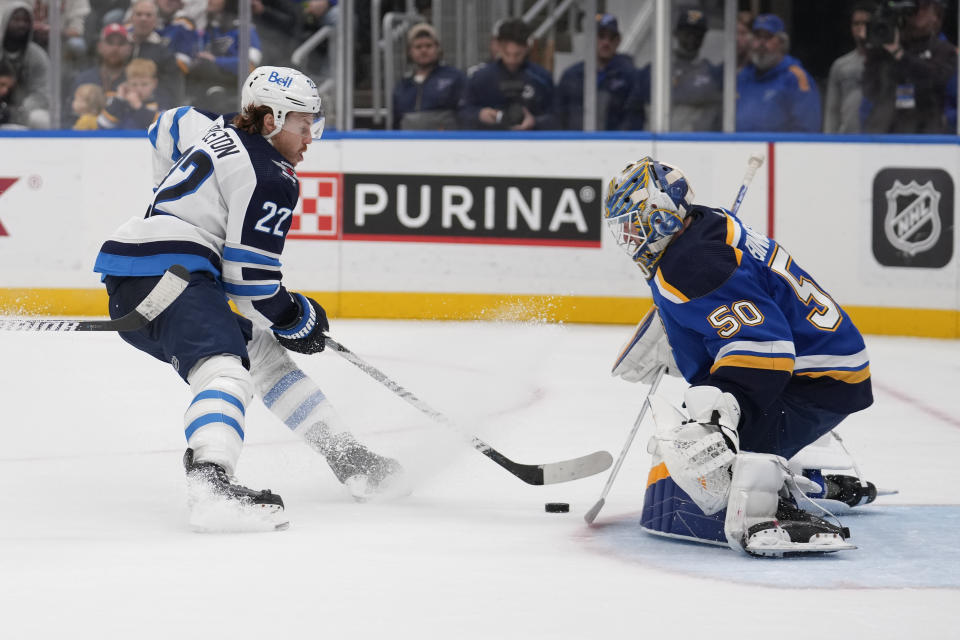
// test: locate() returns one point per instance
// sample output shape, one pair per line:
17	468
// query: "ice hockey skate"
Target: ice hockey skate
365	474
218	504
794	532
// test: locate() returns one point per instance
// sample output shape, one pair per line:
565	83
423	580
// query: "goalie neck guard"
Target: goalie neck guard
285	91
644	207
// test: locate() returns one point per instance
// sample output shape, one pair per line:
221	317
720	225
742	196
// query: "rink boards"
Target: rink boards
508	226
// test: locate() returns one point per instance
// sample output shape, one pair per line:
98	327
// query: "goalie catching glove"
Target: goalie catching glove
645	352
305	335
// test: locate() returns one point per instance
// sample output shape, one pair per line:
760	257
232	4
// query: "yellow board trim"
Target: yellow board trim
926	323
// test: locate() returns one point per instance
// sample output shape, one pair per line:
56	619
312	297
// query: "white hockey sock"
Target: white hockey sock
288	392
214	421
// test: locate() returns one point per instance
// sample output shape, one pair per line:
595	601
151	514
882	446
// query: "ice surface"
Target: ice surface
94	541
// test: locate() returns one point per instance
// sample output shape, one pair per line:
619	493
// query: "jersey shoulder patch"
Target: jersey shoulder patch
702	258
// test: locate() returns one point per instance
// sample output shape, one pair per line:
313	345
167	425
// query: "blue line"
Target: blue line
704	136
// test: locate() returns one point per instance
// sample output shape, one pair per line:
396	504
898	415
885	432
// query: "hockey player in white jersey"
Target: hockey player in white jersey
225	191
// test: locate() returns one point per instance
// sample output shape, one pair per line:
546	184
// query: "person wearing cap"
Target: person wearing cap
696	94
614	80
114	50
905	79
774	91
29	98
510	93
428	96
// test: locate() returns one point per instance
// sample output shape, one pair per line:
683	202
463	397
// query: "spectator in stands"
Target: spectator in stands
276	22
8	80
614	80
148	44
137	103
178	33
744	38
905	80
114	52
213	77
88	102
844	93
73	16
512	92
427	97
315	15
774	91
29	98
696	95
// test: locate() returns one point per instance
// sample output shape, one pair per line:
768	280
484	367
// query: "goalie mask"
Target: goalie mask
645	206
285	91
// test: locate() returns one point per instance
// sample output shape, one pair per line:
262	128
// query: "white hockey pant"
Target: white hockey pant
288	392
214	421
754	493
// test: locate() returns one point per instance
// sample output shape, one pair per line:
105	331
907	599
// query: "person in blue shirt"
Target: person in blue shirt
212	81
427	97
510	92
773	361
614	81
774	91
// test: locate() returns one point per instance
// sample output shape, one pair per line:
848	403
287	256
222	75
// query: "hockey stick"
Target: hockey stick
755	162
591	515
167	289
537	474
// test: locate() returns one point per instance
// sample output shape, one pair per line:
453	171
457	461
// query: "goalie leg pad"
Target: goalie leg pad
214	421
669	511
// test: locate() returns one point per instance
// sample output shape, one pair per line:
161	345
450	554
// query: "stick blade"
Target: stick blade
582	467
594	511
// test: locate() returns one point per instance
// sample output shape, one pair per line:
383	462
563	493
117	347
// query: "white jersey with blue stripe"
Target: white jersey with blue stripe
223	203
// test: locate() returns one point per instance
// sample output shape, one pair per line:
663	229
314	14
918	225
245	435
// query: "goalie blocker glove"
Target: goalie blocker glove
305	335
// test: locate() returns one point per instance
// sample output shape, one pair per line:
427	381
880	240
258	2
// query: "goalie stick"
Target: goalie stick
754	163
167	289
536	474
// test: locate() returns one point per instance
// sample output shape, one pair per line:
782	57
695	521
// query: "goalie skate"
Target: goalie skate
794	533
217	504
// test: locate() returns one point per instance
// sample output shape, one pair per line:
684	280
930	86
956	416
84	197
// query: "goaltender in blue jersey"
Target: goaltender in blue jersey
773	361
226	188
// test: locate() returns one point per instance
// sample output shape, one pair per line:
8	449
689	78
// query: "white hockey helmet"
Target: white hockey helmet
284	90
644	206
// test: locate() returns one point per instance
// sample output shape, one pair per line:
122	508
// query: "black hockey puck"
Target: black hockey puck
557	507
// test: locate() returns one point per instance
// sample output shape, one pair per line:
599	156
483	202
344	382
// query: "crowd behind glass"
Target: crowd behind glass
122	62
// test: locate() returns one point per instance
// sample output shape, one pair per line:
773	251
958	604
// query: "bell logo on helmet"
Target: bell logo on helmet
276	78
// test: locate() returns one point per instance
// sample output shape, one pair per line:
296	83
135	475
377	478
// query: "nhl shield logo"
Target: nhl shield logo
913	217
915	227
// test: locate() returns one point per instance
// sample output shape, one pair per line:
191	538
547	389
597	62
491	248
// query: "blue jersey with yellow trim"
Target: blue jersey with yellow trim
223	203
743	316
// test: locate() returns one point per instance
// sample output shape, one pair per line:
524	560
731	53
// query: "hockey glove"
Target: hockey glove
645	352
305	335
